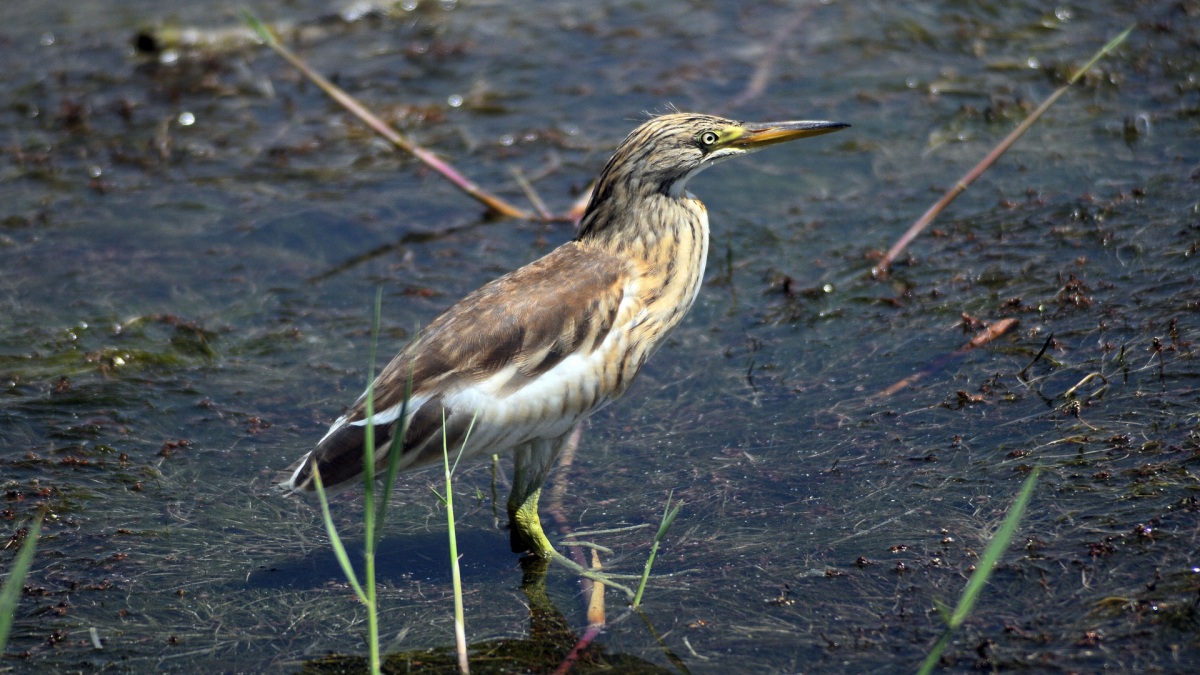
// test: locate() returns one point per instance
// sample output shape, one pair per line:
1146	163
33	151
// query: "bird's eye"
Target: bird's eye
708	138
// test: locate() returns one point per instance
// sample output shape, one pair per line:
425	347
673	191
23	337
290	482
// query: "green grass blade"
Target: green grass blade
460	625
373	517
668	518
371	529
935	653
395	449
258	27
1112	44
996	547
369	432
339	551
10	594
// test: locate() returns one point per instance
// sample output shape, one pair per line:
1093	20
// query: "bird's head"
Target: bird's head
658	158
665	152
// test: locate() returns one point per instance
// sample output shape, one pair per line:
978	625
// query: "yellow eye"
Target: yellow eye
708	138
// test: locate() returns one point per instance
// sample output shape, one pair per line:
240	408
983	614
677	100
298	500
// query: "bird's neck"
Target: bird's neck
665	238
649	227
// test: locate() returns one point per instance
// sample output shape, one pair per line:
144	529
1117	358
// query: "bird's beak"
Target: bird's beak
769	133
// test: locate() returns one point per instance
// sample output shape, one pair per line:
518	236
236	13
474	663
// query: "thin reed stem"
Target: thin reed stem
460	622
934	211
374	512
370	533
495	204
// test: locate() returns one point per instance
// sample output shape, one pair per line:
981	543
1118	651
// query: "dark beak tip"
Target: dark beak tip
812	127
833	126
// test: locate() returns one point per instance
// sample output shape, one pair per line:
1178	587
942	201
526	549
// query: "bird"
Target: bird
522	361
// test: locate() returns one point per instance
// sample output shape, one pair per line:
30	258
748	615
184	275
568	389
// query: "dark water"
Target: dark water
191	246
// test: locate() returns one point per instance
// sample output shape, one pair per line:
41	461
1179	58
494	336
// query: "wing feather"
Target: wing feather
538	329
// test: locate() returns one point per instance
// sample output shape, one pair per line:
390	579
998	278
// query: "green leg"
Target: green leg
531	464
527	534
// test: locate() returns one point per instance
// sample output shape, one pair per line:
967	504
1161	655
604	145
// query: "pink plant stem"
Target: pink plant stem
495	204
596	622
885	264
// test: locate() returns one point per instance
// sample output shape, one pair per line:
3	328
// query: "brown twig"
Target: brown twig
981	338
495	204
934	211
990	333
531	194
595	612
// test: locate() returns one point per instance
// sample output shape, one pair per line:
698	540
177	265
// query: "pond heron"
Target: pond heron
528	356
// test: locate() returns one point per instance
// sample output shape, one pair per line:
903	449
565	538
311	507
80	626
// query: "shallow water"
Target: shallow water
191	247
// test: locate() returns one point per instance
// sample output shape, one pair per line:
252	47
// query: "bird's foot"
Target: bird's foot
608	579
528	537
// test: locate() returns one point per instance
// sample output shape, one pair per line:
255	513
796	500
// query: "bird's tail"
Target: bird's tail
338	458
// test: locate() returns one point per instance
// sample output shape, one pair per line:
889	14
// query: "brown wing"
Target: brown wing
533	318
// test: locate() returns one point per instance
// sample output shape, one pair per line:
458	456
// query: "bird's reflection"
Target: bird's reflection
548	645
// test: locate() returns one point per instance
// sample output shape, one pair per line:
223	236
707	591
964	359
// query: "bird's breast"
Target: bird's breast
667	282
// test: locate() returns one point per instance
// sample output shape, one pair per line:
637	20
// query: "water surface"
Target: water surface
191	243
